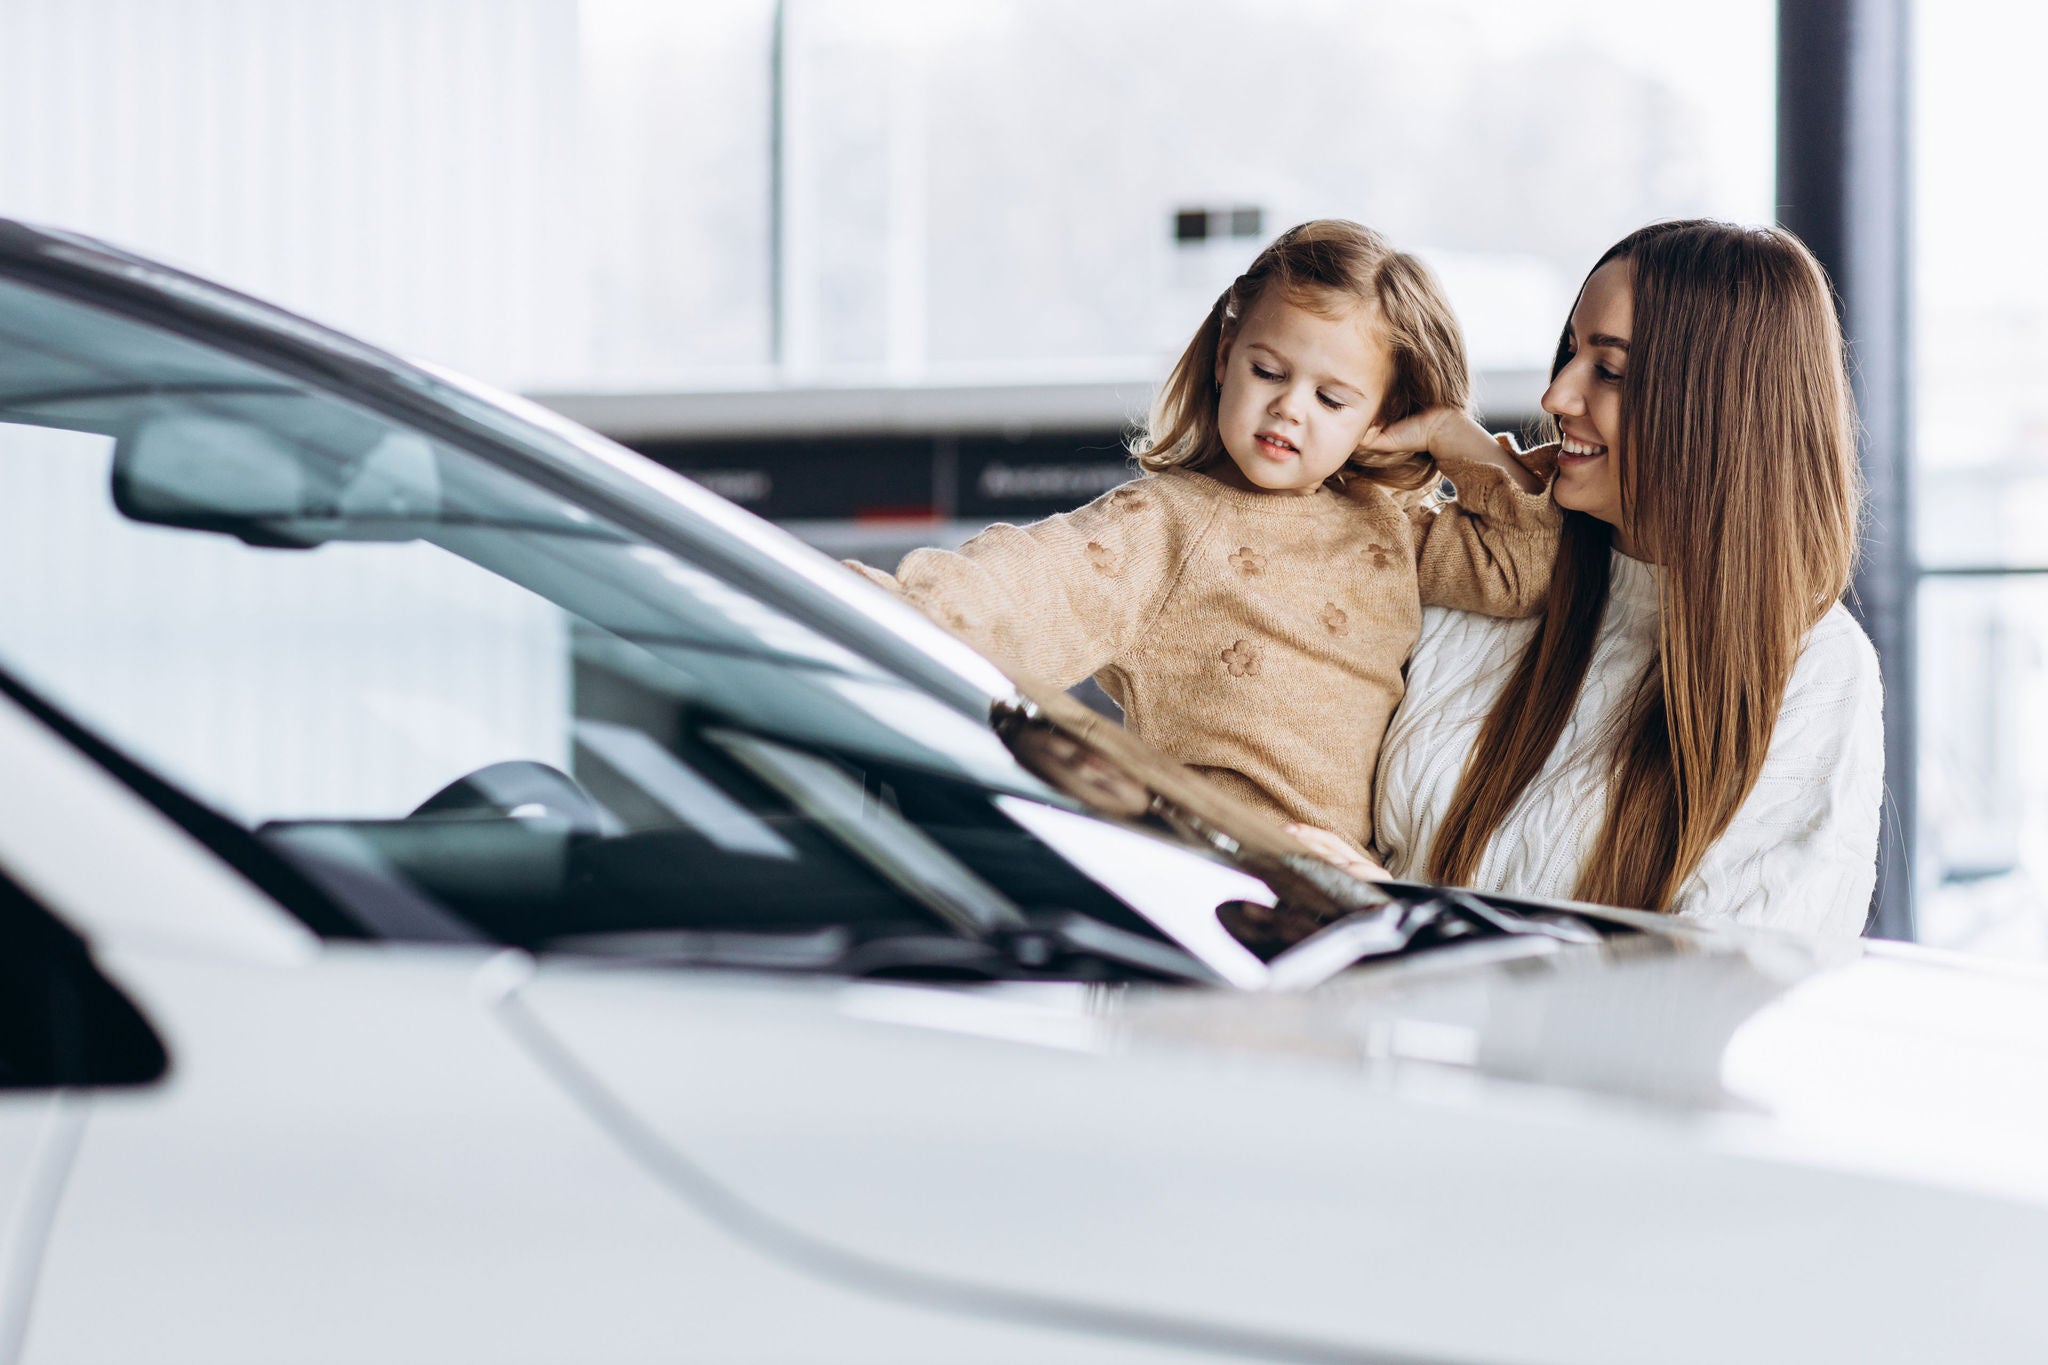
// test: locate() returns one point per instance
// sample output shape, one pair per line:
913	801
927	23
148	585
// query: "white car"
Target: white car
469	894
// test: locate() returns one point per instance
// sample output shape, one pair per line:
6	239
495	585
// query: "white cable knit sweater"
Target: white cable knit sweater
1800	854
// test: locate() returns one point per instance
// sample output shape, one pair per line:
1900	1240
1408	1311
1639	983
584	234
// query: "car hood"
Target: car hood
1343	1170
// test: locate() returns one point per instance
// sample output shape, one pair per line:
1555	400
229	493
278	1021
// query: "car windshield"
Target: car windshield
468	707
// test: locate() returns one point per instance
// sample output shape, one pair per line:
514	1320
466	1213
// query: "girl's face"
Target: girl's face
1299	392
1585	398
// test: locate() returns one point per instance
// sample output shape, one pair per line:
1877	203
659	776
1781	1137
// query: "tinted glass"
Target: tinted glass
464	705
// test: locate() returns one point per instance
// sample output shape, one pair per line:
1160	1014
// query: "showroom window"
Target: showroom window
1980	490
1030	188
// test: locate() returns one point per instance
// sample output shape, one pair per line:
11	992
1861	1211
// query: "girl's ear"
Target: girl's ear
1226	337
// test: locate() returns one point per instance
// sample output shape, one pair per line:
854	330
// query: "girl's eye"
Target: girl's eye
1262	372
1607	375
1332	404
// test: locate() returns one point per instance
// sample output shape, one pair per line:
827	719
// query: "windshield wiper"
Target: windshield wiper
1055	945
906	857
1114	773
1049	946
1442	917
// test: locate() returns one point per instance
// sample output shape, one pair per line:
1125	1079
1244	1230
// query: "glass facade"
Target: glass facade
1981	480
1047	189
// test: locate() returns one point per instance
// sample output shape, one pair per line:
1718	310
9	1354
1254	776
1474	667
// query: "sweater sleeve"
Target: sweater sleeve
1061	598
1492	549
1801	853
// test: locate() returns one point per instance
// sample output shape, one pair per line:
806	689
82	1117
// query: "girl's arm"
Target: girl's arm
1492	550
1338	852
1449	434
1060	599
1801	853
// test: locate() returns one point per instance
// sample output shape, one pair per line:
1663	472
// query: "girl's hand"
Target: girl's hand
1425	431
1336	852
1447	432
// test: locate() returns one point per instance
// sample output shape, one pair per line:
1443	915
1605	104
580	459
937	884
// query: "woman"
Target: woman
1694	723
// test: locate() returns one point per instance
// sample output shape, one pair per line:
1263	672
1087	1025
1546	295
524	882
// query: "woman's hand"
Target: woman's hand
1336	852
1447	432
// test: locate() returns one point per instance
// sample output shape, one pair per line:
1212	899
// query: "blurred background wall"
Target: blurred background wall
582	196
885	270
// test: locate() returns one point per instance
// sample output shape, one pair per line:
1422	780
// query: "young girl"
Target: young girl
1251	599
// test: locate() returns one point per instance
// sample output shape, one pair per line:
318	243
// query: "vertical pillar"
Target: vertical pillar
778	190
1845	186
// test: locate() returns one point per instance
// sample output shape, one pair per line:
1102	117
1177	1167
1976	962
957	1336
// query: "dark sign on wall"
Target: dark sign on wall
1001	479
887	478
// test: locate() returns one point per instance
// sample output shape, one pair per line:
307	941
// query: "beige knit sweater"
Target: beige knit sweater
1258	637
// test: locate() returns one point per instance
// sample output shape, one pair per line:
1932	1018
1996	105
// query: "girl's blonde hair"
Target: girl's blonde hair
1326	266
1737	465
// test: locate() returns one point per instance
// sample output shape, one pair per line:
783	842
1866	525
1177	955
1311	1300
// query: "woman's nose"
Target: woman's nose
1562	398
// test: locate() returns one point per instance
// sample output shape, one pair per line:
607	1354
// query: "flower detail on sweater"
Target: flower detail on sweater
1225	661
1334	619
947	614
1242	658
1380	556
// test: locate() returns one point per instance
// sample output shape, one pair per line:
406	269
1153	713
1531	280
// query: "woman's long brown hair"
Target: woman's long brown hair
1738	478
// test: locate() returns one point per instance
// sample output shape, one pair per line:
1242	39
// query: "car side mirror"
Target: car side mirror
63	1024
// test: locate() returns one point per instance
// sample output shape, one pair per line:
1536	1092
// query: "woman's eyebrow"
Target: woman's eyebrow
1608	340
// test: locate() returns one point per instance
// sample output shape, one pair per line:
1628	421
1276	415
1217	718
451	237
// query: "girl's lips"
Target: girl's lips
1274	449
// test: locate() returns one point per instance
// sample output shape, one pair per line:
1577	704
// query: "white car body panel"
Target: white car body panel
351	1155
377	1172
380	1171
1244	1162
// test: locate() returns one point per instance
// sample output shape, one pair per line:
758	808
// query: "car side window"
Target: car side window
466	706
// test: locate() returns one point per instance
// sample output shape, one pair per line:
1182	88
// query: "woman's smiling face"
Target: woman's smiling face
1585	397
1299	392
